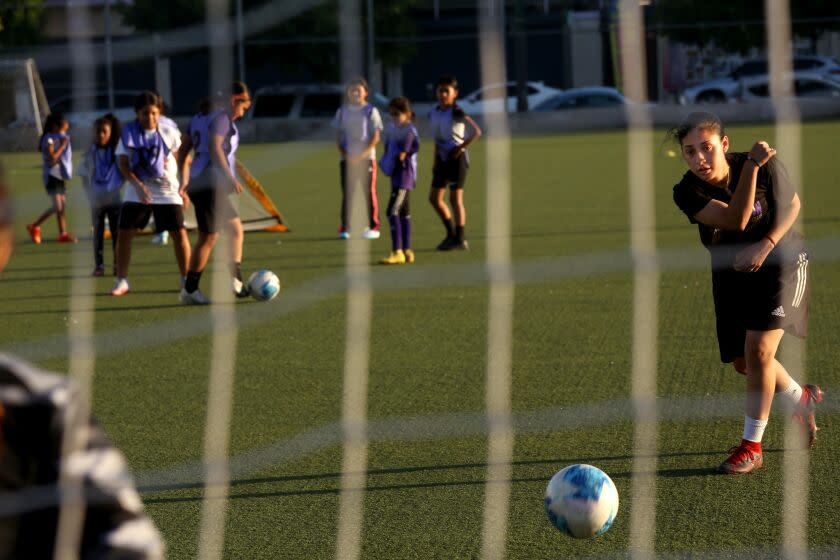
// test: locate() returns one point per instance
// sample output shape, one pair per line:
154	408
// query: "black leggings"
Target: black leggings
106	206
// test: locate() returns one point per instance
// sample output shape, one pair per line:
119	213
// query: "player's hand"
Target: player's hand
456	152
143	193
752	256
762	152
403	155
185	198
237	186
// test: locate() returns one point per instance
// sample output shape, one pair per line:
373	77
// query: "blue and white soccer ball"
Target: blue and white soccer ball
581	501
264	285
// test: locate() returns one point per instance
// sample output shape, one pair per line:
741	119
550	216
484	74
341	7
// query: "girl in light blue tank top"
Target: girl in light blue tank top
56	153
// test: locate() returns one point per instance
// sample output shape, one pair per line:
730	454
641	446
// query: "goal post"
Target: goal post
23	104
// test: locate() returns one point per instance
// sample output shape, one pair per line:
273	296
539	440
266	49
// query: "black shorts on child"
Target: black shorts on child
168	217
450	173
773	297
55	186
210	210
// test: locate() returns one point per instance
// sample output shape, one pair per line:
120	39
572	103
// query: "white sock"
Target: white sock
792	395
754	429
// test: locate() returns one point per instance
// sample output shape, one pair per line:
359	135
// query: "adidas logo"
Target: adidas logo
778	312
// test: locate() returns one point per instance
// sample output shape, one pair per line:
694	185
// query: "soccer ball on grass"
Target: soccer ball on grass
581	501
264	285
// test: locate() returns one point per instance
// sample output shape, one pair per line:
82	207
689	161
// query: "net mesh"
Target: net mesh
500	423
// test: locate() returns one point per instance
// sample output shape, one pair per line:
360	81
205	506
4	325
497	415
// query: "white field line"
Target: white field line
535	271
700	408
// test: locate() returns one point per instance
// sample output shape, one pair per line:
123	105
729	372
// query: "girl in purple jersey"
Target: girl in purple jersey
209	179
54	146
400	162
745	207
103	183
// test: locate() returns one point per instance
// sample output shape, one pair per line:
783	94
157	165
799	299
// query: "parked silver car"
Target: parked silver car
805	86
583	98
726	89
303	101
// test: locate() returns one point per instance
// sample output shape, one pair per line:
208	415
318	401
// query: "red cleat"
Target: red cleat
744	459
34	233
66	237
812	395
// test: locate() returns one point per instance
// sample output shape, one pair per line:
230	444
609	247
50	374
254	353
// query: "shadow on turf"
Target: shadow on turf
668	473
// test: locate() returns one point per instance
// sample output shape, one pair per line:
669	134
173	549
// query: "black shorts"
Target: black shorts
203	194
773	297
168	217
450	173
55	186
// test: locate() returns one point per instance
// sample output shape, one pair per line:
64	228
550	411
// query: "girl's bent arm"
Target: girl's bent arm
736	215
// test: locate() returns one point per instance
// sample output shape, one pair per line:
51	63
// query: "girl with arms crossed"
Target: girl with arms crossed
103	181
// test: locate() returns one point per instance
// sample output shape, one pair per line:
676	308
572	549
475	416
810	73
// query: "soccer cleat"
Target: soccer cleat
396	257
194	298
98	272
66	237
161	238
409	256
240	288
121	287
459	245
812	395
742	461
370	233
344	235
446	244
34	233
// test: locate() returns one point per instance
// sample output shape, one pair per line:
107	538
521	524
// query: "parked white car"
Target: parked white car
726	89
82	111
493	98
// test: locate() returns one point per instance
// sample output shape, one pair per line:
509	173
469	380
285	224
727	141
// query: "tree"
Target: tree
739	26
21	22
308	41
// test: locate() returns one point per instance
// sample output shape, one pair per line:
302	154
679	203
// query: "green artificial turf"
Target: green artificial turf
572	343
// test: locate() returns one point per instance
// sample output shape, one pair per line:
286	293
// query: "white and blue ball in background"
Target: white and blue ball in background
581	501
264	285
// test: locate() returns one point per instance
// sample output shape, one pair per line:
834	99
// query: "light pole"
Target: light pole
240	35
374	81
109	56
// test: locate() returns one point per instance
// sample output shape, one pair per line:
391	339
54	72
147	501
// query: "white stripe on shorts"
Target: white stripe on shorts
801	279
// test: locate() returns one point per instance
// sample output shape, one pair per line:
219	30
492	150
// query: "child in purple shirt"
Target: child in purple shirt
400	162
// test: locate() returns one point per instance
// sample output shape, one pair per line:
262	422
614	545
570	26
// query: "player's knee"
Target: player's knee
759	352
